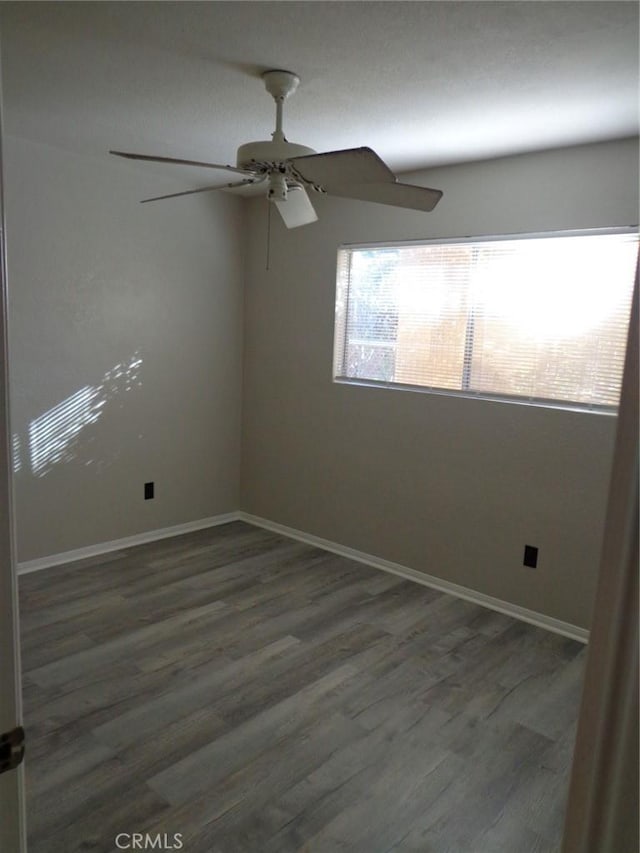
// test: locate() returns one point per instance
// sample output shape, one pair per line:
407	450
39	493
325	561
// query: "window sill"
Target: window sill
477	395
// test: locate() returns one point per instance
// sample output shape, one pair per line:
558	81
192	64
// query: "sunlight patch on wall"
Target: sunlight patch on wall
16	452
53	436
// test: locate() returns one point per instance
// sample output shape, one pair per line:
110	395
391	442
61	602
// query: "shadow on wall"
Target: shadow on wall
57	435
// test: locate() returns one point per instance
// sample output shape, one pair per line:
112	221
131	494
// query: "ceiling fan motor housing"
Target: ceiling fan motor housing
269	154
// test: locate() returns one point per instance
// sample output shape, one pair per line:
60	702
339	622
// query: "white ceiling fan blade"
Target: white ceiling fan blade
297	209
129	156
203	190
395	194
335	168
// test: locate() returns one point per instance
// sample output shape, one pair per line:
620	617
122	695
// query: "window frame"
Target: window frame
466	393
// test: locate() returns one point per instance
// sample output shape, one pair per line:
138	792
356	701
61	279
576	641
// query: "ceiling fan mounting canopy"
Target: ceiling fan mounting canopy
289	169
280	84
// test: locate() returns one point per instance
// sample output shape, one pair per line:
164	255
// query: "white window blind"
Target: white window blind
543	319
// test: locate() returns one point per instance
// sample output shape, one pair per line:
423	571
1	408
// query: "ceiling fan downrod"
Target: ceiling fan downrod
280	84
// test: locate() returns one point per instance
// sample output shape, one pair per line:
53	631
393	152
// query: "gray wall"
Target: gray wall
97	283
450	486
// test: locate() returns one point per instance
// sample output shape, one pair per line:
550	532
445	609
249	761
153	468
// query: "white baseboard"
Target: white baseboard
128	542
557	626
539	619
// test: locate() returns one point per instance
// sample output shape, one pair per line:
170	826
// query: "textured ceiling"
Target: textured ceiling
423	83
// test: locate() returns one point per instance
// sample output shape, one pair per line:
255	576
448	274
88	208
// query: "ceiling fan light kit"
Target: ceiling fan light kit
297	209
289	169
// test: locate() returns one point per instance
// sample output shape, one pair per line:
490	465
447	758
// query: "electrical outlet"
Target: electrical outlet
530	556
148	491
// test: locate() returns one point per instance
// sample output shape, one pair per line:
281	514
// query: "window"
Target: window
538	319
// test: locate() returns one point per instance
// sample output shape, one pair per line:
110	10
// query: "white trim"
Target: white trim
468	394
127	542
556	626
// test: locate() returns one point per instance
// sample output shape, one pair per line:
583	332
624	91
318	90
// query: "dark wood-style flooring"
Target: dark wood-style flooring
257	695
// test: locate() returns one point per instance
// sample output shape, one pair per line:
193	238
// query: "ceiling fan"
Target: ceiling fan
288	170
